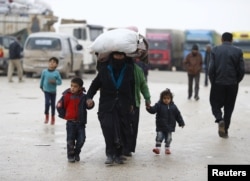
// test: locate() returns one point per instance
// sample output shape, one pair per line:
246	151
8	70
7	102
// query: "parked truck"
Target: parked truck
86	34
241	39
200	38
165	48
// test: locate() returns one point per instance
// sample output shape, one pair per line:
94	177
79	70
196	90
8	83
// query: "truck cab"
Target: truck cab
85	34
165	48
159	50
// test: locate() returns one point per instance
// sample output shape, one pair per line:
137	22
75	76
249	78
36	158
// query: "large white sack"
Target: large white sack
121	39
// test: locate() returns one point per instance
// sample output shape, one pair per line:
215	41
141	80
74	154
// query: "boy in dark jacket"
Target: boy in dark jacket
167	114
74	106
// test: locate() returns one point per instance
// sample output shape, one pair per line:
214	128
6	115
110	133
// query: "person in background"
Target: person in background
116	84
167	114
15	55
206	62
74	104
50	79
193	65
144	66
226	70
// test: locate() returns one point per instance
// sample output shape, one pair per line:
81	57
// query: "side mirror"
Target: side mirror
79	47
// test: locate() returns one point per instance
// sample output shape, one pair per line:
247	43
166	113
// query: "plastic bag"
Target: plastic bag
121	40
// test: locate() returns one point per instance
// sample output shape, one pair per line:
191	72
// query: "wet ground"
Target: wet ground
31	150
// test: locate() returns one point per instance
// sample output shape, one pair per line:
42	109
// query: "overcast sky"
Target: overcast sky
220	15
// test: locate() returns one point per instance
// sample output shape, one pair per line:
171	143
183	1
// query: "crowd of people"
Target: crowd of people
121	81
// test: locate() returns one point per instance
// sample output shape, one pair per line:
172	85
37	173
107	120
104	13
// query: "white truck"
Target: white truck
85	34
41	46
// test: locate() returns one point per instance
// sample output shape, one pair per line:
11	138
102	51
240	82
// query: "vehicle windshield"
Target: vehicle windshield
201	44
37	43
159	45
80	33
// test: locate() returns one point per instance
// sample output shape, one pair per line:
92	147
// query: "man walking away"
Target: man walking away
226	70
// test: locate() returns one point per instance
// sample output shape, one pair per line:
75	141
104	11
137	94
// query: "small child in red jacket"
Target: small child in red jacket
73	108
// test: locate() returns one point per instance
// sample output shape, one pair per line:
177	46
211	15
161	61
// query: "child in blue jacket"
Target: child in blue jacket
50	79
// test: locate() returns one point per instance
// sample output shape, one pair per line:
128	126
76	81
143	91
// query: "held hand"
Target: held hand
90	103
147	105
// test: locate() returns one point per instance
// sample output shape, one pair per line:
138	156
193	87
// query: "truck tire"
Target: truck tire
29	74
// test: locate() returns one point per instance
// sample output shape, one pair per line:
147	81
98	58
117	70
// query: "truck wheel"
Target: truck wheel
169	67
164	67
29	74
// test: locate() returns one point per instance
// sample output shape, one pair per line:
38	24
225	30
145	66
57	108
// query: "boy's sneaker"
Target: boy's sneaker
156	151
71	159
46	118
52	120
77	158
167	151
